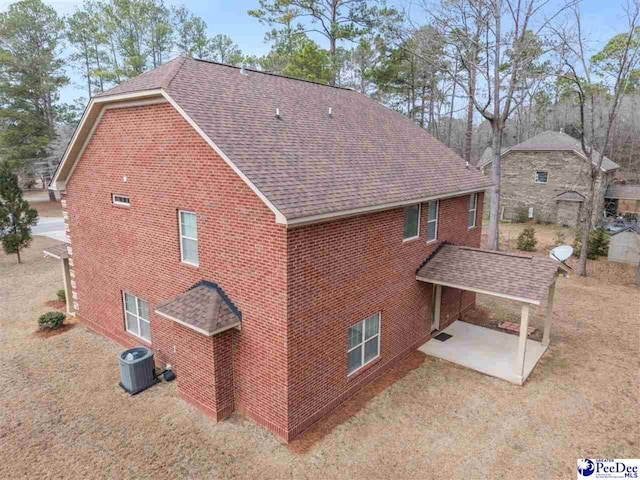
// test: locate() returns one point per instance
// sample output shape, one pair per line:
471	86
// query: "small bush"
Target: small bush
51	320
598	243
527	240
61	295
559	239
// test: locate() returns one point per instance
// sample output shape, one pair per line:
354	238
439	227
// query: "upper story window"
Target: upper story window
188	237
120	199
136	316
364	342
473	209
411	222
432	220
542	177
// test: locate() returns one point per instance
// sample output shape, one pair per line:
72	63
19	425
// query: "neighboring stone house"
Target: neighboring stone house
546	178
263	235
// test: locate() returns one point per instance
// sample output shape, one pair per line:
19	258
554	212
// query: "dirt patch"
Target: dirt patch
47	209
56	304
48	332
353	405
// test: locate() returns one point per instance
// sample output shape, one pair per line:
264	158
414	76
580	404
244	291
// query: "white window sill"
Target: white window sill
429	242
195	265
411	239
138	337
363	365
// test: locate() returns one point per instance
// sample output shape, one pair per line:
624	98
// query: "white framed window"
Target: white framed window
120	199
473	209
432	220
364	343
542	177
136	316
188	237
411	222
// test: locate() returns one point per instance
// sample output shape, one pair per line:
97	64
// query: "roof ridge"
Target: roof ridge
177	70
264	72
221	292
437	249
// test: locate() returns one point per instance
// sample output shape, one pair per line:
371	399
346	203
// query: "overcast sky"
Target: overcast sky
602	19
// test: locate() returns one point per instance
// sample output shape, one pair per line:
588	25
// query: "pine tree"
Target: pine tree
16	216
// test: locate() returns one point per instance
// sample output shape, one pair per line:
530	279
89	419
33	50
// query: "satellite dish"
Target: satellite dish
561	253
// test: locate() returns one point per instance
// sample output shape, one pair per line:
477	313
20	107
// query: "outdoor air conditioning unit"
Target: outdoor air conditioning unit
136	369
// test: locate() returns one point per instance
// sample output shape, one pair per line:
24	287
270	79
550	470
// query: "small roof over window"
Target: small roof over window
570	196
204	308
524	278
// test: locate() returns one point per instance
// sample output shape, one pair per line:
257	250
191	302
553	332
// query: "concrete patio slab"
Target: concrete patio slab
485	350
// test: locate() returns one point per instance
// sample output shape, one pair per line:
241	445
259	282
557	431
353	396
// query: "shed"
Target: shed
624	246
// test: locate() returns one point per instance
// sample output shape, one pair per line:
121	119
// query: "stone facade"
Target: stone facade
566	171
299	289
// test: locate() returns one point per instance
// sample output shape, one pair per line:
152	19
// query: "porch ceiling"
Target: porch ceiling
524	278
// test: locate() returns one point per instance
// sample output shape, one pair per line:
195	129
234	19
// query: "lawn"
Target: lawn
62	413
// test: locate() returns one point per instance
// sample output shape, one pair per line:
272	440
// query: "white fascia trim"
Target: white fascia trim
377	208
478	290
98	102
199	330
280	218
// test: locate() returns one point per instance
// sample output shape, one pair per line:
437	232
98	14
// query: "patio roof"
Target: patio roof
204	308
524	278
58	251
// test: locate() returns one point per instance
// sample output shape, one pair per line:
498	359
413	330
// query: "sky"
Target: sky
601	19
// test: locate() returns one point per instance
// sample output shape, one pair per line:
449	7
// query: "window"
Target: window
120	199
364	342
542	177
188	238
473	208
411	222
136	316
432	220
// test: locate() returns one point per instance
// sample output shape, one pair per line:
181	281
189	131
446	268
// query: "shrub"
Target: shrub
598	243
631	217
559	239
527	240
61	295
51	320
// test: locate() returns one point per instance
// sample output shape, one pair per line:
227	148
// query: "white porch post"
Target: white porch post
547	318
436	311
66	275
522	344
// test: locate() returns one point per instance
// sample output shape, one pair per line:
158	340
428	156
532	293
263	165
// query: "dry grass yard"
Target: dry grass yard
62	413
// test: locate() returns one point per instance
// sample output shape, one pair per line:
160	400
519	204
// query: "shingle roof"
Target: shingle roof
58	251
487	156
570	196
516	276
204	308
560	141
623	192
306	162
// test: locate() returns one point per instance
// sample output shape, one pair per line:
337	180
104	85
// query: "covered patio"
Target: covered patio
525	279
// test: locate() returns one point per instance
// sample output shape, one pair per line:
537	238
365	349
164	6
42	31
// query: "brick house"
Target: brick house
262	235
547	178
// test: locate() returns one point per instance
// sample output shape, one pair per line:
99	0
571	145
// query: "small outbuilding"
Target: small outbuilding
624	246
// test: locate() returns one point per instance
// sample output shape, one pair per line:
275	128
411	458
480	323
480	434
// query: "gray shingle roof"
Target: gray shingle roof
307	162
204	308
559	141
520	276
570	196
58	251
623	192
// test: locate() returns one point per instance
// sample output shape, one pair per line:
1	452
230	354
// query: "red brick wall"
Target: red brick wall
169	167
343	271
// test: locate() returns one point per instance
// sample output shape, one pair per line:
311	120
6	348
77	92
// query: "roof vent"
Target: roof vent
330	112
243	71
278	113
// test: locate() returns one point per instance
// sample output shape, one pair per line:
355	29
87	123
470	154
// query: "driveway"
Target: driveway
52	227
